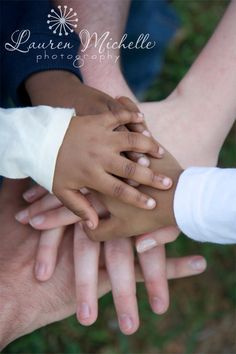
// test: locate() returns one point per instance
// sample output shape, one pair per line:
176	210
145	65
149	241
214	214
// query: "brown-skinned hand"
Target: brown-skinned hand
126	220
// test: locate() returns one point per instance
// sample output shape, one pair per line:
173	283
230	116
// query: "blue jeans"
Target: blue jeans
141	67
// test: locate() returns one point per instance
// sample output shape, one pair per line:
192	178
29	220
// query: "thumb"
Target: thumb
79	205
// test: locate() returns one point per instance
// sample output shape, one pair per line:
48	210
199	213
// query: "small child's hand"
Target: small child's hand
90	156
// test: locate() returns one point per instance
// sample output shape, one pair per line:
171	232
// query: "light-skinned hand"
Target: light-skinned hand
119	258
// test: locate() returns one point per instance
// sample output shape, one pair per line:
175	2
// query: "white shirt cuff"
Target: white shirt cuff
30	139
59	120
205	204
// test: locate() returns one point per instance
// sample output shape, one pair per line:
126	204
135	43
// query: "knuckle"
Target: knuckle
83	245
139	198
83	285
132	139
150	145
106	116
152	176
120	115
123	294
129	169
118	190
154	146
46	249
152	284
114	253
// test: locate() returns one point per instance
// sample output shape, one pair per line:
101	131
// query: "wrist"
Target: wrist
48	80
96	76
7	321
195	114
170	217
16	318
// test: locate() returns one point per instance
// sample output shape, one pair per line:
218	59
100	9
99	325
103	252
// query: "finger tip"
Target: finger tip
29	196
31	223
86	319
43	271
128	324
22	216
85	322
92	225
130	331
161	151
158	305
151	204
167	183
199	264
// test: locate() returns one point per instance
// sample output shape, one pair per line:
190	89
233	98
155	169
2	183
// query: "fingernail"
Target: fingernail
198	264
84	311
140	117
23	215
40	270
166	181
158	305
151	203
90	224
140	114
84	190
132	183
28	195
147	133
126	322
146	245
144	161
161	151
37	220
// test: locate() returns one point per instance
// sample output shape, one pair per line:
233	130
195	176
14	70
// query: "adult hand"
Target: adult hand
179	124
25	303
119	260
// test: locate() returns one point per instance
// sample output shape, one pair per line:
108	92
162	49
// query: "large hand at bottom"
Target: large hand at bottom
39	304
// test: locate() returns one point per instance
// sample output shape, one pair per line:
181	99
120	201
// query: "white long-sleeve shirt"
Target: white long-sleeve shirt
205	198
30	139
205	204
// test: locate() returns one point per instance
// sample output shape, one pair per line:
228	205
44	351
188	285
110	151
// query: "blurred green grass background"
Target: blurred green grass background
202	315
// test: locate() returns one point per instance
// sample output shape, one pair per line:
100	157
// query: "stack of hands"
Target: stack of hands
119	153
113	194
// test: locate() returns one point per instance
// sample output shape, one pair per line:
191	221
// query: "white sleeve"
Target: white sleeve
30	139
205	204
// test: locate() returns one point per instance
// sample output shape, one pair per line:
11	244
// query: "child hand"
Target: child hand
127	221
90	157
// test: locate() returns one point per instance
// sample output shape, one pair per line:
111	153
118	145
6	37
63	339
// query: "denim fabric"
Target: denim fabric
157	18
17	66
140	67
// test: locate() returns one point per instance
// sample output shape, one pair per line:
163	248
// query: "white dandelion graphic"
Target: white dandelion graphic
62	21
